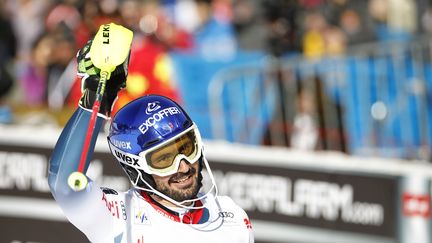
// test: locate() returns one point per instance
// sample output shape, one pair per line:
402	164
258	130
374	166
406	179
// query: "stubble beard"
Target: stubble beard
183	194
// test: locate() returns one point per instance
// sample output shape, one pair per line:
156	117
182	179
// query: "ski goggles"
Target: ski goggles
164	159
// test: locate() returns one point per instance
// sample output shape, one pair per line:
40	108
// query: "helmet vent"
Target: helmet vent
151	142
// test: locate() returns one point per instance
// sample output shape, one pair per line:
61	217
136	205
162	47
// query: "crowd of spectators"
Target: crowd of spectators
39	39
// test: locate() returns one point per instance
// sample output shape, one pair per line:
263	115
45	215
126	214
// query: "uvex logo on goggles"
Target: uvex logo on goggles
125	158
151	121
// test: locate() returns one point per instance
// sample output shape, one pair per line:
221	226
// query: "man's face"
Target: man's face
186	182
183	185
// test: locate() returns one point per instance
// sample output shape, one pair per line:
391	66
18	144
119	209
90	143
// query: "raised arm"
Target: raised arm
100	59
84	206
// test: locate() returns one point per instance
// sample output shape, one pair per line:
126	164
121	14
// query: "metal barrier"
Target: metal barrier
375	100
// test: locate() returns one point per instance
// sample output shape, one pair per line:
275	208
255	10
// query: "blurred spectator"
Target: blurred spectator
351	24
333	9
393	22
402	15
283	36
314	43
183	13
7	52
87	27
131	12
63	13
305	128
33	82
170	34
27	19
378	10
150	68
215	37
84	17
317	120
249	25
335	41
91	19
311	4
352	18
354	27
63	53
320	38
426	20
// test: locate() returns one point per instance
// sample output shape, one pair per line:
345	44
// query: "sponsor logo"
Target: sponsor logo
228	217
141	216
121	144
123	208
151	107
106	33
113	207
416	205
23	171
312	199
156	117
127	159
226	214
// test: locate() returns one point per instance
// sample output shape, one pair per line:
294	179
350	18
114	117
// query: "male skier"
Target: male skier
160	149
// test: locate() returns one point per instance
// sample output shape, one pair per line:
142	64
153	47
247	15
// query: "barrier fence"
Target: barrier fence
375	100
290	196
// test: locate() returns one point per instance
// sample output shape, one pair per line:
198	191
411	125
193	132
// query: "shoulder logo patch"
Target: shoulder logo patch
141	216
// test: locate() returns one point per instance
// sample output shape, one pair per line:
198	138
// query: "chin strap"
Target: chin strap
184	204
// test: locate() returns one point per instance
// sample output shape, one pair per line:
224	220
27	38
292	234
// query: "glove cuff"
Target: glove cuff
88	98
